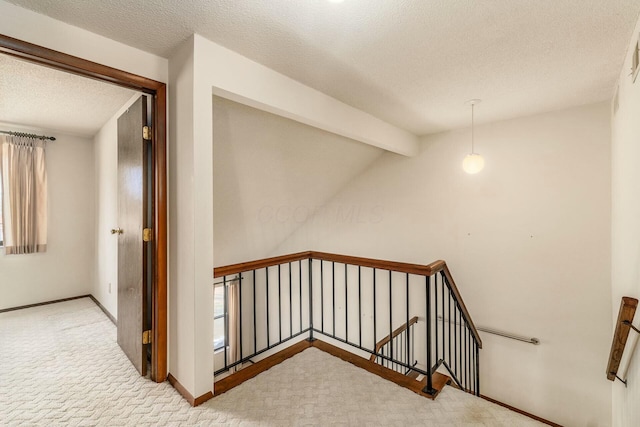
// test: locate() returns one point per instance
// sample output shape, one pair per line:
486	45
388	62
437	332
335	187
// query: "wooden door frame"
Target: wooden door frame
158	91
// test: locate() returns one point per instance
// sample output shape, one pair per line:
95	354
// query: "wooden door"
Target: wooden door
132	215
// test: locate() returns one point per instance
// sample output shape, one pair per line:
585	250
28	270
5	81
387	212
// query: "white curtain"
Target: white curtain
24	194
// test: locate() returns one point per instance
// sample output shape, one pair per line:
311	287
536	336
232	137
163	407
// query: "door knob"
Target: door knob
116	231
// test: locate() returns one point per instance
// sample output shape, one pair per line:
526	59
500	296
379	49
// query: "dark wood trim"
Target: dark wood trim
22	307
75	65
93	70
181	389
234	380
439	380
227	383
159	367
463	307
394	334
104	310
520	411
193	401
627	311
201	399
426	270
255	265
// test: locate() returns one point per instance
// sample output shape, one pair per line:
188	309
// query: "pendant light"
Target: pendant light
473	162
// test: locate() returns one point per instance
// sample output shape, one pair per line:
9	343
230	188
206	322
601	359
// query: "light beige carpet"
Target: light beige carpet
60	365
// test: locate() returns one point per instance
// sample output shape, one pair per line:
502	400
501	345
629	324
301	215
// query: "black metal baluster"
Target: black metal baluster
300	291
407	308
413	345
455	339
442	283
322	295
462	347
279	303
469	362
310	264
477	370
390	318
346	306
402	341
473	363
266	272
375	337
400	351
240	311
255	330
394	342
359	306
460	350
464	356
429	387
333	296
468	357
435	300
450	346
290	302
226	319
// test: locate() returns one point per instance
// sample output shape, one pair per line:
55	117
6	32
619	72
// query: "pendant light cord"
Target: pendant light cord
472	122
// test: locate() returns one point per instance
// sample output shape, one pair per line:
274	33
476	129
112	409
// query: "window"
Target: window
218	317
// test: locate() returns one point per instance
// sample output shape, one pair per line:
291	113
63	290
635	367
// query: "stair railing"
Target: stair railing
270	306
357	302
403	334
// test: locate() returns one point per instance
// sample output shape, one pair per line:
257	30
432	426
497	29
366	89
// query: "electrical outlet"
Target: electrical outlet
109	287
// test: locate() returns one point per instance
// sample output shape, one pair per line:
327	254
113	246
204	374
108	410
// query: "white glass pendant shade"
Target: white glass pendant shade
473	163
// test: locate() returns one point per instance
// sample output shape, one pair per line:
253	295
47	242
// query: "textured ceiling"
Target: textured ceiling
40	97
412	63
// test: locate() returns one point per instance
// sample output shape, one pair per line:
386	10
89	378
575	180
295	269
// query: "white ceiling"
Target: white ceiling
40	97
412	63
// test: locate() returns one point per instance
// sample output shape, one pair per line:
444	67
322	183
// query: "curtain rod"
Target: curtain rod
28	135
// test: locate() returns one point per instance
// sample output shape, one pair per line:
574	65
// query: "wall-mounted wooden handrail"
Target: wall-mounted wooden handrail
401	267
623	325
394	334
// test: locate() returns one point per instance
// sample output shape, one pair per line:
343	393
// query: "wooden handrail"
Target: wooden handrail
401	267
623	325
394	334
261	263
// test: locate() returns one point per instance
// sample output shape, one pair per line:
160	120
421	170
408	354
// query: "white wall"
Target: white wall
105	281
270	175
625	226
66	268
527	241
182	364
